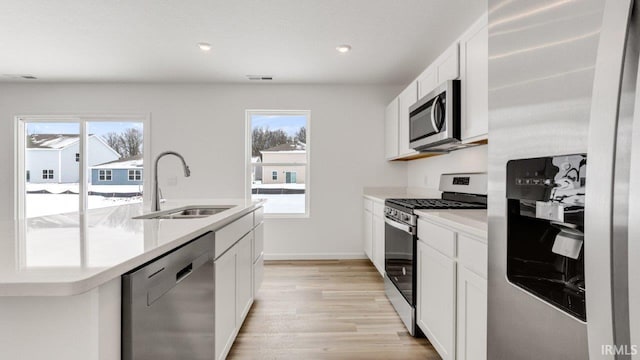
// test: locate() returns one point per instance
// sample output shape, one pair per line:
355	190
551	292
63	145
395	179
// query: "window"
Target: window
64	162
104	175
47	174
135	175
278	160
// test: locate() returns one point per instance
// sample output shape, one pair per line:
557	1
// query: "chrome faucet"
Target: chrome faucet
155	200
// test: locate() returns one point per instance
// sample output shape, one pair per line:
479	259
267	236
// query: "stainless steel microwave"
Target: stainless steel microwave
434	121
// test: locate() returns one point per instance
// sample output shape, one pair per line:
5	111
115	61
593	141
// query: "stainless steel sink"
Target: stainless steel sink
191	212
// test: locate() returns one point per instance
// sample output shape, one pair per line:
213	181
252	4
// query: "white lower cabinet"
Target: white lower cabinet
437	299
373	233
378	237
238	275
472	316
452	291
225	307
367	232
244	274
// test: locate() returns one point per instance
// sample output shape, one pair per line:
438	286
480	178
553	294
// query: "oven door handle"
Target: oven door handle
403	227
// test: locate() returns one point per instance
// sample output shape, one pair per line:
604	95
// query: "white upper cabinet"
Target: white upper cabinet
406	98
474	76
445	67
391	130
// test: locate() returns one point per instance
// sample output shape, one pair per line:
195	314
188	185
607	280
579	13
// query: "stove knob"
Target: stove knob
394	212
405	217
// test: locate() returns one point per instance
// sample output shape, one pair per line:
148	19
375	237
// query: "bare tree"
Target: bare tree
263	138
127	144
301	135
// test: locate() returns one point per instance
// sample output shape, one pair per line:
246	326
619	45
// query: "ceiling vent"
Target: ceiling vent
259	77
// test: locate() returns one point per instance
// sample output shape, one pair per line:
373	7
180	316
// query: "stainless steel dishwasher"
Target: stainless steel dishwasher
168	305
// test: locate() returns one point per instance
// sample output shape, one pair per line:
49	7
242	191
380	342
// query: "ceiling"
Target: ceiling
292	40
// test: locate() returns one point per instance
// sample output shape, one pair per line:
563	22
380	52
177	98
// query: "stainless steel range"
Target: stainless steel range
460	191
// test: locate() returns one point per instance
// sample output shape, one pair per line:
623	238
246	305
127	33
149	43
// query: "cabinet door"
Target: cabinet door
244	274
258	241
378	243
368	234
472	316
406	98
448	64
225	307
474	54
437	299
391	130
427	81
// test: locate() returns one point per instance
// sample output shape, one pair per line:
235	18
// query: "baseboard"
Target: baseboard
316	256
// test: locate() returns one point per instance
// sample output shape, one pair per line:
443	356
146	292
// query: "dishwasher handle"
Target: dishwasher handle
184	272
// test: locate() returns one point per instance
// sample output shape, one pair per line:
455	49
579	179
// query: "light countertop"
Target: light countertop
473	222
68	254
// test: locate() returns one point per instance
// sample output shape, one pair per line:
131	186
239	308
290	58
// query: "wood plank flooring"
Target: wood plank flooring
333	309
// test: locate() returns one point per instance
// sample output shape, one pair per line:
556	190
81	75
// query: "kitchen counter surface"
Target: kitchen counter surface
68	254
381	194
473	222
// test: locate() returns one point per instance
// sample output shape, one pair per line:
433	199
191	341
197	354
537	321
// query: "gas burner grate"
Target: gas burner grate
435	204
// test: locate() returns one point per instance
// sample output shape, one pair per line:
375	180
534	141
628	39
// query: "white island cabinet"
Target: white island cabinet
60	287
452	282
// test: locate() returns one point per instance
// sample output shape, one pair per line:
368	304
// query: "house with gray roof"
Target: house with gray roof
55	158
127	171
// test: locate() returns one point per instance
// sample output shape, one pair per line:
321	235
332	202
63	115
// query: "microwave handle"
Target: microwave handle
433	113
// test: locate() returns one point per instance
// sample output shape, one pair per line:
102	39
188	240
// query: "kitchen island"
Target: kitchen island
60	275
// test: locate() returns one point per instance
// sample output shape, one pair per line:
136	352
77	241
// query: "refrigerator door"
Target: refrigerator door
634	229
541	63
607	193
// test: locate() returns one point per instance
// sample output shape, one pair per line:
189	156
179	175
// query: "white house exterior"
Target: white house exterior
256	170
285	172
54	158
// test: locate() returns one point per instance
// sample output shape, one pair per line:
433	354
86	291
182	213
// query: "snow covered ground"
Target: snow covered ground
282	204
278	186
57	203
48	204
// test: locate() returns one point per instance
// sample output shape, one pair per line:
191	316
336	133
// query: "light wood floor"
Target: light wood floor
325	310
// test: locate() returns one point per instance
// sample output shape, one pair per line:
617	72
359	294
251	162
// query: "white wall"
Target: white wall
206	124
423	175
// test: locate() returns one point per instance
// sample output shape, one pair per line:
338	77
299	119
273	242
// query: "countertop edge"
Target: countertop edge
481	234
77	287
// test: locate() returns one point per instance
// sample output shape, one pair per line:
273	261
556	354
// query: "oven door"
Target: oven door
399	257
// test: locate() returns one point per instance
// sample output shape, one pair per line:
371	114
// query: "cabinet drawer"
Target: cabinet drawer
438	237
258	241
472	254
378	209
368	204
228	235
258	216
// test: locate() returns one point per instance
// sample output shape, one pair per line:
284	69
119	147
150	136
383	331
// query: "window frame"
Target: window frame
137	175
107	176
19	151
274	176
307	164
48	174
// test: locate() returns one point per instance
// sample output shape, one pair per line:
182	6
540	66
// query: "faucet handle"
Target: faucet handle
160	197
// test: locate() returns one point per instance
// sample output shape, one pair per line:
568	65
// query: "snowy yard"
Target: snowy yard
59	202
282	204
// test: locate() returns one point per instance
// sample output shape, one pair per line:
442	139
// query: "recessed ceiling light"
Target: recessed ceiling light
204	46
344	48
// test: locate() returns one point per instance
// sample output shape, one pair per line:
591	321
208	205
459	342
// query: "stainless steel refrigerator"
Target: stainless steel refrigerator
564	180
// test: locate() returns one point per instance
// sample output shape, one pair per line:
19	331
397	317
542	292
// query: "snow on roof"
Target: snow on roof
255	159
299	147
132	162
51	141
